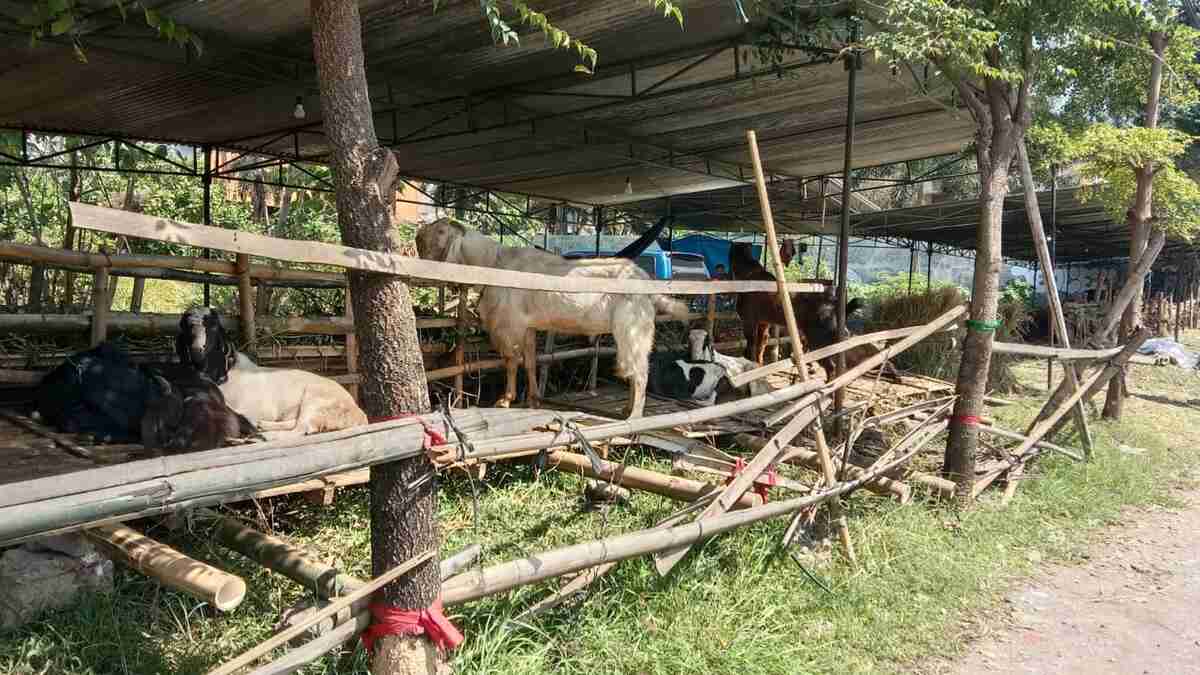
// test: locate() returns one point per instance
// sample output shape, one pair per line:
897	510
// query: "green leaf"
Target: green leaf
152	18
57	7
62	24
121	8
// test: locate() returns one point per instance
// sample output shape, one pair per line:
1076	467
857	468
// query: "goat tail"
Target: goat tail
670	306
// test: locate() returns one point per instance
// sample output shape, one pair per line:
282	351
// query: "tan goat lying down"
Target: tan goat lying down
281	402
512	316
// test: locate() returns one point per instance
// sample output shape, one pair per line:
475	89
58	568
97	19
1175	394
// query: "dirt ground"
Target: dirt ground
1132	607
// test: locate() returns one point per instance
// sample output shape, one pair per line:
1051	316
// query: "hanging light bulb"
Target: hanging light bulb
628	186
298	112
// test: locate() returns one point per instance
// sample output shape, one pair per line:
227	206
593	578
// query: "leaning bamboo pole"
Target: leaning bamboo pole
673	487
173	569
549	564
768	455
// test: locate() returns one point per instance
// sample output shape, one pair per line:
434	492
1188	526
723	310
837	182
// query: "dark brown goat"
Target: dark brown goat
190	415
816	313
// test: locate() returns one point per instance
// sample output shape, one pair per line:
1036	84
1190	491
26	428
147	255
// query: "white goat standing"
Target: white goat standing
703	350
512	316
282	402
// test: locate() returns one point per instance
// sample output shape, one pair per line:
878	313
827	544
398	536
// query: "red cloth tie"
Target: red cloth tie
432	436
387	620
769	476
966	420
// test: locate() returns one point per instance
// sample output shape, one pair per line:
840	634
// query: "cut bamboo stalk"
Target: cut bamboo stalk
826	352
245	301
789	316
599	432
351	349
763	460
115	221
280	556
100	306
1034	216
887	353
673	487
173	569
282	637
549	564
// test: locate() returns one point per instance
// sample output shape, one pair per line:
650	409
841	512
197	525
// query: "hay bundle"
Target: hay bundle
938	356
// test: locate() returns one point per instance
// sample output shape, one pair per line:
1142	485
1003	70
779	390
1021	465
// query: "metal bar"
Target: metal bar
206	181
853	63
682	71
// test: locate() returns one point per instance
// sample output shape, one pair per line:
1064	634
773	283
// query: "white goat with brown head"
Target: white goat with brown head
281	402
511	316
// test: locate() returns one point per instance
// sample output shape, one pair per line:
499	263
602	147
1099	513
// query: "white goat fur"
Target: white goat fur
511	315
703	350
286	402
281	402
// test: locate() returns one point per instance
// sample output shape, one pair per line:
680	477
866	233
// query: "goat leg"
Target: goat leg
510	384
530	354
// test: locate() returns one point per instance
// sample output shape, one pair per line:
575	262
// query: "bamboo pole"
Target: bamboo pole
1059	327
245	301
251	655
173	569
763	460
710	318
789	317
549	564
351	349
673	487
1133	282
460	343
100	306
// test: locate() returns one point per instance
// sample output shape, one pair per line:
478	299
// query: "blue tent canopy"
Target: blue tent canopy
714	250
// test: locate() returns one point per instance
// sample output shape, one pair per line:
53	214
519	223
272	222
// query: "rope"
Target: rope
983	326
431	621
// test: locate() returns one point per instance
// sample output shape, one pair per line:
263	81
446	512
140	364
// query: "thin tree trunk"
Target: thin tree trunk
74	192
977	345
403	522
37	273
1139	215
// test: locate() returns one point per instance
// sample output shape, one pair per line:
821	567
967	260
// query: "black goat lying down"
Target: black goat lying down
103	393
99	392
190	414
674	375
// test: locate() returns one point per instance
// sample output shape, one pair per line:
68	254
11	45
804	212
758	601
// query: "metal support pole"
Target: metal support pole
929	268
597	216
1053	263
206	180
853	64
912	264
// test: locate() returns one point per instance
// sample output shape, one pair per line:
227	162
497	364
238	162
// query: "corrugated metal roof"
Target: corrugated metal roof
667	108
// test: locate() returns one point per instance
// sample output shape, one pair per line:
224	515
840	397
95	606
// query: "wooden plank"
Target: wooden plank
130	224
101	301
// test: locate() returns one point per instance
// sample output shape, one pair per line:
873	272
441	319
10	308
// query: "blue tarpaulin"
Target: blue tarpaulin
714	250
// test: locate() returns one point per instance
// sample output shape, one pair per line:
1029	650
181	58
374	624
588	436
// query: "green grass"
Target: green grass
735	606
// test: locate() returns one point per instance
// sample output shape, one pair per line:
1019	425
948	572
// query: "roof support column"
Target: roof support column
853	64
206	180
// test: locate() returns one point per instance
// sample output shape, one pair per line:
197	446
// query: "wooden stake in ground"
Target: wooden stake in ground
794	333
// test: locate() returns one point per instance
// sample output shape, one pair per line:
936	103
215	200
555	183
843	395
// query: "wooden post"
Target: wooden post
100	300
173	569
460	343
794	333
351	344
544	369
246	302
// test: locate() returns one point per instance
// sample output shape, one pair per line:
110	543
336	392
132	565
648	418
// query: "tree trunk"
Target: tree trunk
74	193
403	520
977	345
1139	215
37	273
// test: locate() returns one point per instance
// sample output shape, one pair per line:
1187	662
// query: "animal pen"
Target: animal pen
55	483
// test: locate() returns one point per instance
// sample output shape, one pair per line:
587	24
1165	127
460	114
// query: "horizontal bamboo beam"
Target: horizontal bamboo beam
163	484
549	564
309	252
673	487
1053	353
129	265
173	569
168	324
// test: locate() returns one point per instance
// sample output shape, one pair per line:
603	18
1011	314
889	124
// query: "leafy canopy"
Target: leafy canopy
1110	157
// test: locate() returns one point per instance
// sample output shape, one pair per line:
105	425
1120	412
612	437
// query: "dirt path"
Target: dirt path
1133	607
